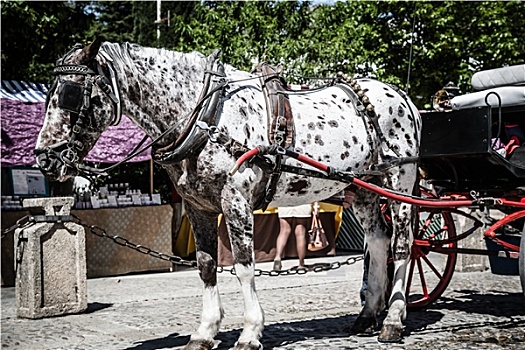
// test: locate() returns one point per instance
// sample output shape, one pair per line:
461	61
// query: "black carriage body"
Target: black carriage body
457	154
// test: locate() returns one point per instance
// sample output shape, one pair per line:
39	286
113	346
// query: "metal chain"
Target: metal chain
100	232
317	267
19	223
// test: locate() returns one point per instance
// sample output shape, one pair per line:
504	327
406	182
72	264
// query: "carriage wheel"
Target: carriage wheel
429	273
521	260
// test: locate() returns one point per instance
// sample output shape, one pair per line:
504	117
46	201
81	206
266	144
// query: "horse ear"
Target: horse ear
89	52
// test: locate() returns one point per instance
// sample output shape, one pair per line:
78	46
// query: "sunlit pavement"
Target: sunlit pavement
479	310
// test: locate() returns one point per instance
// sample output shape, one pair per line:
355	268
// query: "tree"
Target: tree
36	34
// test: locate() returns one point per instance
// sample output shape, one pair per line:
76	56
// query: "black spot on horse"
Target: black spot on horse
243	112
318	140
299	187
389	95
311	126
409	140
390	110
354	138
396	122
400	111
333	123
346	144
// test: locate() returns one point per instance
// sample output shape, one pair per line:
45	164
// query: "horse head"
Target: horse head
82	102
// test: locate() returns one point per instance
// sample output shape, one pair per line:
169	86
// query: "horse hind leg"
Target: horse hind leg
205	232
239	221
402	225
368	212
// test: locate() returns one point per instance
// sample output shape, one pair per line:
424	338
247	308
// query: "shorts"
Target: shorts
300	211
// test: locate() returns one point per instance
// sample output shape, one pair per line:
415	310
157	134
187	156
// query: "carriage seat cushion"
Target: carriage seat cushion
487	79
510	96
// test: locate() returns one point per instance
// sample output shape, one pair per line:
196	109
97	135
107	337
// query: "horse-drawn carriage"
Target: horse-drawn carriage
473	148
360	132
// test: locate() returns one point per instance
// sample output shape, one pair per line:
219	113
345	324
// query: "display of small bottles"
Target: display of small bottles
11	203
113	196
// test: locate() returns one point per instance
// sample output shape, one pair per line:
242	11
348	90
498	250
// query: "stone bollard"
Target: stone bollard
50	261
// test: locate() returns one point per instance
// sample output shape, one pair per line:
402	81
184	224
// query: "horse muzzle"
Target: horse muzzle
55	162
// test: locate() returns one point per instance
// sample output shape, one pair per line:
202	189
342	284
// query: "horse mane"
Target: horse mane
123	61
120	53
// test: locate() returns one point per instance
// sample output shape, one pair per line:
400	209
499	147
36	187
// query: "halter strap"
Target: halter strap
101	80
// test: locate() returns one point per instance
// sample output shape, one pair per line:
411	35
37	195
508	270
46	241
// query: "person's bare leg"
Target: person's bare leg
282	239
300	239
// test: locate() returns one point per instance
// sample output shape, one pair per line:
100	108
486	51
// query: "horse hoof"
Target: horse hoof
253	345
199	345
363	325
390	334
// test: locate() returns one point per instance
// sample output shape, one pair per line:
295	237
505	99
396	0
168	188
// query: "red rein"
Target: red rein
428	203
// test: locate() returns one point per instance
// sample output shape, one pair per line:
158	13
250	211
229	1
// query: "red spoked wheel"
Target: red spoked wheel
429	272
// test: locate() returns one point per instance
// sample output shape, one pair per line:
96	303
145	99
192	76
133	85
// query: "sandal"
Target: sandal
277	266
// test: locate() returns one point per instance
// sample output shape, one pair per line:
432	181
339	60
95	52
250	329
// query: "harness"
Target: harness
280	121
76	98
193	139
200	127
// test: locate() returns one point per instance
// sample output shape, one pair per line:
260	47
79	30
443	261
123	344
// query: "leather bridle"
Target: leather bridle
76	99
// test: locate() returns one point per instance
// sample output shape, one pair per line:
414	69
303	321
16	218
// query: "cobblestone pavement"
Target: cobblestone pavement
314	311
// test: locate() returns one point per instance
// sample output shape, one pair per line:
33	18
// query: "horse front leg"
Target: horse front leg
392	330
205	231
238	216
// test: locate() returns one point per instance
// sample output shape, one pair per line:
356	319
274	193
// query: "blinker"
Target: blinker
70	96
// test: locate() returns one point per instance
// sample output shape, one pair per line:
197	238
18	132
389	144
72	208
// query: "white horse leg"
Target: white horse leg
392	329
239	221
368	213
205	231
403	180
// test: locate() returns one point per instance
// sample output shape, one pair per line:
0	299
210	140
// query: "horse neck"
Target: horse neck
160	87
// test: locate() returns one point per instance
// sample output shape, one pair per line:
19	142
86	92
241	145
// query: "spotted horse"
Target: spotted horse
202	116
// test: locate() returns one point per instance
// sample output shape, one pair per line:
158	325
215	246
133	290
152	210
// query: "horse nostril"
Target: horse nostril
47	164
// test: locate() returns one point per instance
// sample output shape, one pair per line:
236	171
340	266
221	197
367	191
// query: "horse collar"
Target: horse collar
192	138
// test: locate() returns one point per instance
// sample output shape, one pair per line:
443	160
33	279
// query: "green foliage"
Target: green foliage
450	40
36	34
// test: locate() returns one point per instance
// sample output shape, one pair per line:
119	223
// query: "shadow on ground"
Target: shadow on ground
287	333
